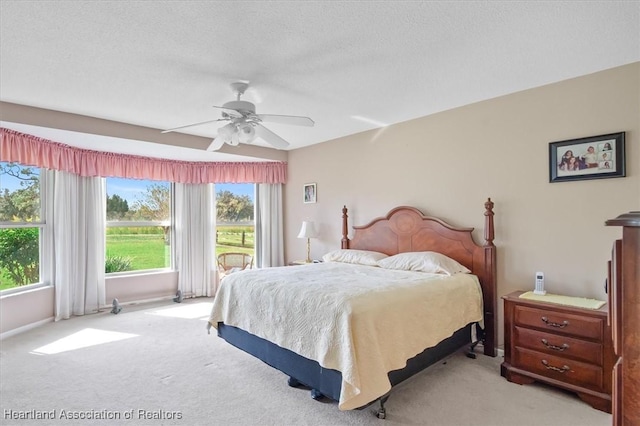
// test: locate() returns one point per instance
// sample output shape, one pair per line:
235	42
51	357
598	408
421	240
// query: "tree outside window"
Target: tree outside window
20	225
235	229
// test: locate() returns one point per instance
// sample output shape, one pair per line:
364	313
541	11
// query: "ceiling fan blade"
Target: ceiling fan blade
192	125
270	137
287	119
216	144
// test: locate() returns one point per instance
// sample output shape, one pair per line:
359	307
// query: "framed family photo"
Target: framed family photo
309	193
595	157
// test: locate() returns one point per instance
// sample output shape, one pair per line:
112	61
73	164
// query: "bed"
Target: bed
353	327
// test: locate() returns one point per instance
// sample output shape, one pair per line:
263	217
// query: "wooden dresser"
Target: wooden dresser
624	299
563	346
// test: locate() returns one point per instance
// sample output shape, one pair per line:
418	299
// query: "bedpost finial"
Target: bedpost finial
488	223
488	205
345	238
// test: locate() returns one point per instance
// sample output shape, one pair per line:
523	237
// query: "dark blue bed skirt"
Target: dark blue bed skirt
328	382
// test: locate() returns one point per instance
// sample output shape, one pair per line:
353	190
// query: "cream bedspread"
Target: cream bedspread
363	321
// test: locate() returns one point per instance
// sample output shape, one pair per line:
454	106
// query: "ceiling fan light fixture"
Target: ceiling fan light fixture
227	131
235	139
246	133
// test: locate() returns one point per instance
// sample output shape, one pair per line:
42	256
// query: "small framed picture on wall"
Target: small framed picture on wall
309	193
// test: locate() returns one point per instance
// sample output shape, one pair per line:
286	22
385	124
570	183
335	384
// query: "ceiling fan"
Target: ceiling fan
245	125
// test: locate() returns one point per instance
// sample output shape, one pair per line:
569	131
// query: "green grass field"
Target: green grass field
149	251
5	281
145	251
230	239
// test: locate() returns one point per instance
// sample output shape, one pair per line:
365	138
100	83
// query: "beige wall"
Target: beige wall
447	164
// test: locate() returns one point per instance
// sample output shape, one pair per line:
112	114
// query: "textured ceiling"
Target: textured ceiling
346	64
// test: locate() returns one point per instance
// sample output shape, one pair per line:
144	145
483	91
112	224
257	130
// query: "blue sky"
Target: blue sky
129	188
237	188
11	182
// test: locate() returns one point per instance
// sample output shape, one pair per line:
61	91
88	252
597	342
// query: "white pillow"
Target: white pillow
360	257
423	261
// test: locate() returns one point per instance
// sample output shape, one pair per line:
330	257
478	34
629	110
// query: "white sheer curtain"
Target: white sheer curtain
269	225
195	216
75	236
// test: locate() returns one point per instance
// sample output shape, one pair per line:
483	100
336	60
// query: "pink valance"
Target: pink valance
34	151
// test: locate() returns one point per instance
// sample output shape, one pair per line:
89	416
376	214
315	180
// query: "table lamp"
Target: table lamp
307	231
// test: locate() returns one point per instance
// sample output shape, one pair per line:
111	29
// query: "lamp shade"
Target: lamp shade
308	230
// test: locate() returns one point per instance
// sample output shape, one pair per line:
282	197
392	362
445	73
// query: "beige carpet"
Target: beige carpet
166	370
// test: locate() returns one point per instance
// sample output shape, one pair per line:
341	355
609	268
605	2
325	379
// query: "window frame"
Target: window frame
147	223
41	225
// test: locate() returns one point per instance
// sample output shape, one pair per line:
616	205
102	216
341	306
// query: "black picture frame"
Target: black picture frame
594	157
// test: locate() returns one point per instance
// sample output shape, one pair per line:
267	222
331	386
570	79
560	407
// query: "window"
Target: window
138	228
235	226
138	233
21	225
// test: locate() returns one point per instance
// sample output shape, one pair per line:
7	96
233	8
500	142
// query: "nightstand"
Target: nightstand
559	345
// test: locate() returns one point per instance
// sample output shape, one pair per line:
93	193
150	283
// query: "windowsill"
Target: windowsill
24	289
138	273
39	286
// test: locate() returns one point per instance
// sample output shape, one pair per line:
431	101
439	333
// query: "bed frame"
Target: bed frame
403	229
406	229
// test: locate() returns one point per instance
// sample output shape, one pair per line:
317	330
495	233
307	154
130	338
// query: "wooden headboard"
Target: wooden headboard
406	229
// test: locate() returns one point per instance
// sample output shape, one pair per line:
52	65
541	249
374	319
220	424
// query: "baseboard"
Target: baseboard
144	301
480	349
132	303
24	328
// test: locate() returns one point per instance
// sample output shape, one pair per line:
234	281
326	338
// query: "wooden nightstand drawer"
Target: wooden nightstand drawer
559	368
560	322
559	345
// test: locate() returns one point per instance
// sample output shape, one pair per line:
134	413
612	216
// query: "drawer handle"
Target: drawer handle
554	347
548	366
555	324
